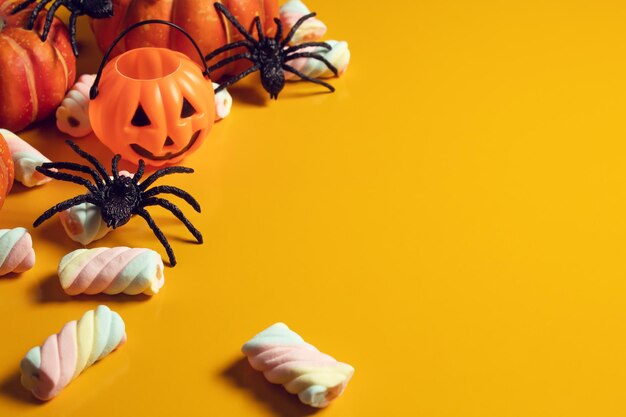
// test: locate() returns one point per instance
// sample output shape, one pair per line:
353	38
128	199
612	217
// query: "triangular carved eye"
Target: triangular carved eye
140	118
187	110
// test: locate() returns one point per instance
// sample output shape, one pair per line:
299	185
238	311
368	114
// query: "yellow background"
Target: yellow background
452	222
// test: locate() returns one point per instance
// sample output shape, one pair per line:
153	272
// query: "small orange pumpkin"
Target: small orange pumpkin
34	75
7	172
153	104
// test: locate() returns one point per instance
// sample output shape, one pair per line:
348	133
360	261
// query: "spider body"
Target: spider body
118	201
96	9
271	60
268	55
120	197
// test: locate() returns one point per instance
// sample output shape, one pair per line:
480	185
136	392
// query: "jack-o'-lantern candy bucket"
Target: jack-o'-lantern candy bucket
152	103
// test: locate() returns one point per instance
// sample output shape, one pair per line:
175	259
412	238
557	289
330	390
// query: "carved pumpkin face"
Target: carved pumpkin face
153	104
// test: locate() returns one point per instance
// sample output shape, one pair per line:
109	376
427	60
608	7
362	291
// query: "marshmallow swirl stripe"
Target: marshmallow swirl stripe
16	251
311	30
111	271
49	368
286	359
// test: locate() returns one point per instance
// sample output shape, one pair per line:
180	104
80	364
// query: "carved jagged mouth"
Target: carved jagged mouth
140	150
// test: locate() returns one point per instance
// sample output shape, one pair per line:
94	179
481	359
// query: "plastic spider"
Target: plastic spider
269	55
119	197
96	9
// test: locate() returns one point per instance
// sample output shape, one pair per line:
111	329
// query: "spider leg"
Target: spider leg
64	205
114	163
139	173
155	201
72	22
228	60
22	6
237	78
92	159
279	29
259	30
75	167
159	234
306	45
163	172
222	9
33	15
49	18
295	27
314	56
306	77
167	189
67	177
228	47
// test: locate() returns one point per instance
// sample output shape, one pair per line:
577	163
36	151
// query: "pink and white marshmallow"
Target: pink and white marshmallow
16	251
83	223
286	359
223	103
73	113
338	56
26	159
117	270
311	30
49	368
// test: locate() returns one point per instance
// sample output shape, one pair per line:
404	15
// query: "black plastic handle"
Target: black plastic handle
93	91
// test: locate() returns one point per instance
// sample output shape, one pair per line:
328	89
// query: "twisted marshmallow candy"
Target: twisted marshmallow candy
49	368
111	271
83	223
16	251
311	30
339	56
73	113
223	103
26	159
285	358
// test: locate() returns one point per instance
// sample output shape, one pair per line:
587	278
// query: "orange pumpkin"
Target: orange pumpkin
152	104
198	17
34	75
6	170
